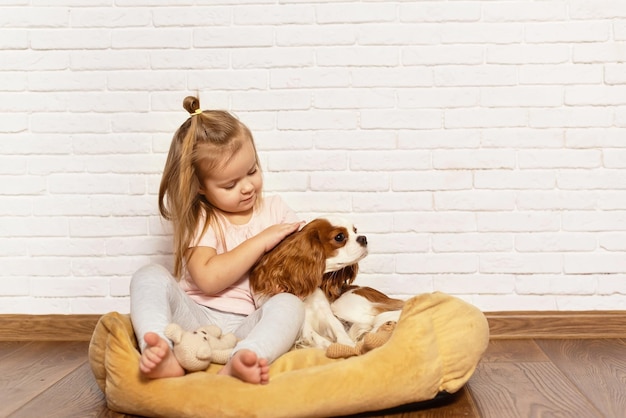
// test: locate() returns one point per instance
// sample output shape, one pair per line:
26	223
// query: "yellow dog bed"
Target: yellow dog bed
435	348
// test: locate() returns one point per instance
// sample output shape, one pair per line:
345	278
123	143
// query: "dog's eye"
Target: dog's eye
340	237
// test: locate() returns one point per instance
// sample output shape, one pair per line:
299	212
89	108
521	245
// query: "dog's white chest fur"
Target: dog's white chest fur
320	326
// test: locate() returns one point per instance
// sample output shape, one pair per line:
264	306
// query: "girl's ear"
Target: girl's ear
199	186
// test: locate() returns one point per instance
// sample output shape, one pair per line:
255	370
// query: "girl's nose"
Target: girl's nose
247	187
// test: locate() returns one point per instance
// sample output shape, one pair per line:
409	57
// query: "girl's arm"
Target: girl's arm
214	272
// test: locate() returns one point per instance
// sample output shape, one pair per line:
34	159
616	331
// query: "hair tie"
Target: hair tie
197	112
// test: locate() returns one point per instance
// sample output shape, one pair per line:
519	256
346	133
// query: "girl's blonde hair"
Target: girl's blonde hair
203	142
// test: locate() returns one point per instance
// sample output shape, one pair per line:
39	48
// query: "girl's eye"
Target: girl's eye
229	186
251	172
340	237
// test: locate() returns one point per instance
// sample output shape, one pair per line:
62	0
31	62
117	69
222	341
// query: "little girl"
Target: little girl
211	191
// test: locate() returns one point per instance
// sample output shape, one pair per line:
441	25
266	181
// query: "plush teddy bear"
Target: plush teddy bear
196	350
370	341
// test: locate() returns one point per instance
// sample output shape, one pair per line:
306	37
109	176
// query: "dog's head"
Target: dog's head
324	253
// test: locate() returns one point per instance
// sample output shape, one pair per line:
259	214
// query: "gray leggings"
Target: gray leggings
156	300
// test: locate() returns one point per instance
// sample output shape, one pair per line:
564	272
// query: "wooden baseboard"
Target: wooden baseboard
47	327
502	325
555	324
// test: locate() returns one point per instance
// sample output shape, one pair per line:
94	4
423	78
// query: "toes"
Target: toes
248	358
154	355
146	366
151	338
265	378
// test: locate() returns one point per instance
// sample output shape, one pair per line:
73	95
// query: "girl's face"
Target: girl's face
235	184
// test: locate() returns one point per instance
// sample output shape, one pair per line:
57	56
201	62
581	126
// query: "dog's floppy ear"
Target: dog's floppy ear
335	283
296	265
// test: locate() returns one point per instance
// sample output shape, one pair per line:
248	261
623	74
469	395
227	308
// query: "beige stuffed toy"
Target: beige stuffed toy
370	341
196	350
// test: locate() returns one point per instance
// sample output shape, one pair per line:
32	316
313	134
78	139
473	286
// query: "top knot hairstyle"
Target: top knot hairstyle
204	142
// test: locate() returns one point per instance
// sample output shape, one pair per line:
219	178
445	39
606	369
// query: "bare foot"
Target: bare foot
246	366
158	360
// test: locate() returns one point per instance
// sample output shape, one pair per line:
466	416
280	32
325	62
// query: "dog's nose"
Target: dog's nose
362	239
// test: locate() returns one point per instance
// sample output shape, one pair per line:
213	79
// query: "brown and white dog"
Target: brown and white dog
319	264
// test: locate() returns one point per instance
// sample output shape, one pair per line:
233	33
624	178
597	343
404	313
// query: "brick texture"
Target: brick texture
479	144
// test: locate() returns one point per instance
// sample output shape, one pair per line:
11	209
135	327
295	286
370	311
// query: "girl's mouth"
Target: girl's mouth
249	199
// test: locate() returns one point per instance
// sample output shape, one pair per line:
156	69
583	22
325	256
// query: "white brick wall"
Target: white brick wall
480	144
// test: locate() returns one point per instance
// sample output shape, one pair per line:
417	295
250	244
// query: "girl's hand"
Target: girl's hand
276	233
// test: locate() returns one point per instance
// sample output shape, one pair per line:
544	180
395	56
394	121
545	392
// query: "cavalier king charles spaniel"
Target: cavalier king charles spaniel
319	264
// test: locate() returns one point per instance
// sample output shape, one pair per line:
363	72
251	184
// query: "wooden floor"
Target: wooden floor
516	378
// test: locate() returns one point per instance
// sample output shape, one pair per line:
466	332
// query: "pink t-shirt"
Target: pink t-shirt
236	298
